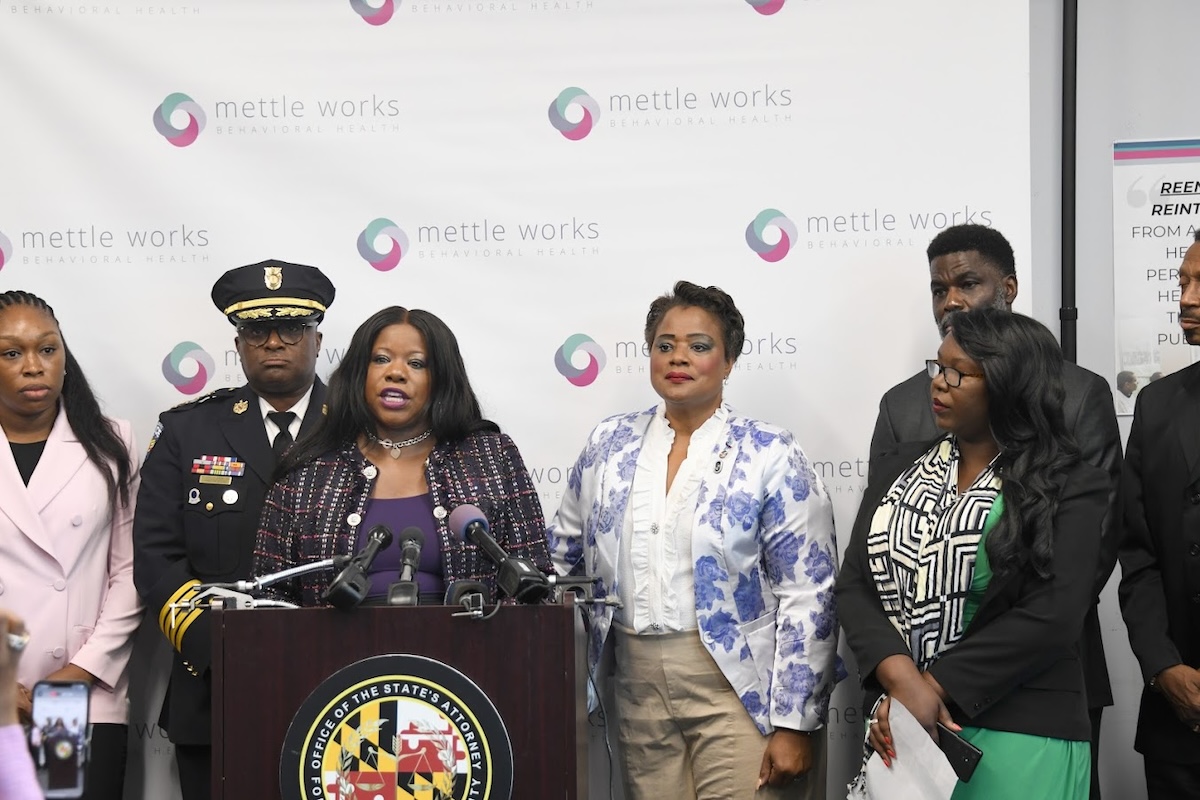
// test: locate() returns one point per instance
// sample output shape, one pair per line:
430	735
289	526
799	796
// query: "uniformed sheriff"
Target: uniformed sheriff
207	472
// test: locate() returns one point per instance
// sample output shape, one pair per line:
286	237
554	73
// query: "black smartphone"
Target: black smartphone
58	736
962	755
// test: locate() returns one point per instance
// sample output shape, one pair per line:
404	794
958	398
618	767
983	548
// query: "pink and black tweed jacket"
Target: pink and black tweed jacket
313	512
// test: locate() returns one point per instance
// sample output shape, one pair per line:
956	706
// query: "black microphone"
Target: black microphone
378	538
412	539
352	585
405	592
458	591
515	577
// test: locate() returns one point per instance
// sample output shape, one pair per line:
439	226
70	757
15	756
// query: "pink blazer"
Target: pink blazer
66	566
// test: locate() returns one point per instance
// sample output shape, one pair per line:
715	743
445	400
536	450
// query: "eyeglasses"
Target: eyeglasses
953	376
290	332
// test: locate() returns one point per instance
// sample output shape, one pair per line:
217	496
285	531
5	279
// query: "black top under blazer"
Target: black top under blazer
1017	666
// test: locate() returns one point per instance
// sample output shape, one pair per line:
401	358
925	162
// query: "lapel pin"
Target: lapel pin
240	407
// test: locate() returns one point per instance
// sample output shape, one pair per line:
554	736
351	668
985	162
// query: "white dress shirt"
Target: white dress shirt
299	409
657	587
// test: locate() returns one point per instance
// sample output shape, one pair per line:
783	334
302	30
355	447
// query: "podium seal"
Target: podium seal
397	727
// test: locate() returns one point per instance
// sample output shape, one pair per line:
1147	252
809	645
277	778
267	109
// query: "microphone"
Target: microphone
471	595
378	538
470	523
405	591
351	586
411	542
515	577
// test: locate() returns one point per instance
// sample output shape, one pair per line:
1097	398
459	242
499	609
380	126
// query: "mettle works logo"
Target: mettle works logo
382	261
568	97
372	15
174	361
755	231
178	101
6	250
565	356
766	7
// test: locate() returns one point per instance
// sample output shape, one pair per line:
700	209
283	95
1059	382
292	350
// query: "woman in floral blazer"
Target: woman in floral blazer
713	540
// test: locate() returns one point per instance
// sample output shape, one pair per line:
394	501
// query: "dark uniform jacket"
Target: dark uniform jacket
195	525
314	512
1016	668
1160	551
906	415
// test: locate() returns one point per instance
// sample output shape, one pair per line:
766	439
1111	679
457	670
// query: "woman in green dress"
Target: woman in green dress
973	562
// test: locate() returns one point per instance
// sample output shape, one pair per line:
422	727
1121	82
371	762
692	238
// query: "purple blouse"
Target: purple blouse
398	513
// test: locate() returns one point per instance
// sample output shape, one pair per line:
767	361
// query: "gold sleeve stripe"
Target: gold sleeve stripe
182	624
164	614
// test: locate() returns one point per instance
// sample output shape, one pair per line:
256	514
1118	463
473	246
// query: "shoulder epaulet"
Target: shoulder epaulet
219	394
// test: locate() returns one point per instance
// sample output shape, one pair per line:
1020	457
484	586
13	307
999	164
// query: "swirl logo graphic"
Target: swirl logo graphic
174	360
6	250
374	16
366	244
573	95
766	7
755	230
579	343
180	137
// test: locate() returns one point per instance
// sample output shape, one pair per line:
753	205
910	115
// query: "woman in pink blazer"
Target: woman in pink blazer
67	485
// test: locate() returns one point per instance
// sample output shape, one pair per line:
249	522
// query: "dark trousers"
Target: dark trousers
104	776
195	771
1095	713
1168	781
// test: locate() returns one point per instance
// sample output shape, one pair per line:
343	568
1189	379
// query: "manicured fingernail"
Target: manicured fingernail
887	739
887	763
891	753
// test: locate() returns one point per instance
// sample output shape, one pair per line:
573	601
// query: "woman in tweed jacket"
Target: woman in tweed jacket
403	443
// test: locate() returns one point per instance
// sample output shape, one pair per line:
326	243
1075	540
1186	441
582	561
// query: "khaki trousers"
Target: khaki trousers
684	733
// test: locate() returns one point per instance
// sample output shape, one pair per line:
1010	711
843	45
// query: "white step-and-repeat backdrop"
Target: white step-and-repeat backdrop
535	172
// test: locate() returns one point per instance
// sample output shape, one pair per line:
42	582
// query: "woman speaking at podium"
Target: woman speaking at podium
403	444
717	537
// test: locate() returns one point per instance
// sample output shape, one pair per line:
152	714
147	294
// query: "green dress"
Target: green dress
1018	766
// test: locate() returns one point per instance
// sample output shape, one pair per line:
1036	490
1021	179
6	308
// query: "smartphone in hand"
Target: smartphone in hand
962	755
58	736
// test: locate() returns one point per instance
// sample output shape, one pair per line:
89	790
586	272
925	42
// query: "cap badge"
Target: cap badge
273	277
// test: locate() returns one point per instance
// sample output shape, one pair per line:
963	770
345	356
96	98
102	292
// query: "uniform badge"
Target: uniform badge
240	407
154	436
273	277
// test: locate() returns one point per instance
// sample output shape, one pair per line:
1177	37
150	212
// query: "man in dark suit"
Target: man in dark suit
207	472
972	266
1160	561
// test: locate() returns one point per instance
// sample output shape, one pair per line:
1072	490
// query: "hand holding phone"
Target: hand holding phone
58	737
962	755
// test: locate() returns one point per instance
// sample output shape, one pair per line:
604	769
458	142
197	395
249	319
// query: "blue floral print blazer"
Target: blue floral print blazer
765	560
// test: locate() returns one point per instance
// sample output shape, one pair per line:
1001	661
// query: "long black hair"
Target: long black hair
454	411
1022	365
97	433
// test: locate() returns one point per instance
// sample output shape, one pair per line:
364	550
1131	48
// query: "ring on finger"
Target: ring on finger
17	641
873	721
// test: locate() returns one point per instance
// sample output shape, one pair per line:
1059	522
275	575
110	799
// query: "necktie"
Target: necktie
283	439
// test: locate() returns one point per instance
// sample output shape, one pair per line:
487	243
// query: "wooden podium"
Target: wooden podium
529	661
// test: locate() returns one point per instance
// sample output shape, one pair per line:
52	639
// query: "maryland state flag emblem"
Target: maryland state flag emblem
397	727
